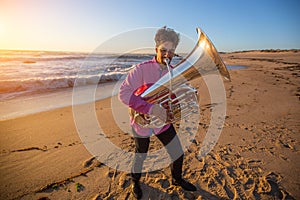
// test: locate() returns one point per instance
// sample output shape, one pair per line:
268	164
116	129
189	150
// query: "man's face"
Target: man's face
165	50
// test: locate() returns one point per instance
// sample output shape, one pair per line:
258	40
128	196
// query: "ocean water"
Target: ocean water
29	72
35	81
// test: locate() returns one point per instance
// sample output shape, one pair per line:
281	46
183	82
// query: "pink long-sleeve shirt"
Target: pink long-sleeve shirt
138	80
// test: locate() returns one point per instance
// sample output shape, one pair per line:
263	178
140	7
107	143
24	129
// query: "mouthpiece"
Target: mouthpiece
167	60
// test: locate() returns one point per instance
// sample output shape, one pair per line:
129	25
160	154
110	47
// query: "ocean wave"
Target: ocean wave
27	72
11	89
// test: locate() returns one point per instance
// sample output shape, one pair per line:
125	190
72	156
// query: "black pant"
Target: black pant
174	150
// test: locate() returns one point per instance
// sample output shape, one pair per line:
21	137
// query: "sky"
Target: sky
83	25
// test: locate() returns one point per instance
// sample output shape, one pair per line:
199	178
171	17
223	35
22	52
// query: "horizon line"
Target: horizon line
88	52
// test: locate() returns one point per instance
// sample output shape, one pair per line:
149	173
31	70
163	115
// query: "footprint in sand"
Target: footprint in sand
91	162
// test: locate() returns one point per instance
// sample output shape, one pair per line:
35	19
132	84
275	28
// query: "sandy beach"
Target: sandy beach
256	157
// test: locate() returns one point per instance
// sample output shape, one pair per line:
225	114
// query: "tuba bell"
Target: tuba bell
173	92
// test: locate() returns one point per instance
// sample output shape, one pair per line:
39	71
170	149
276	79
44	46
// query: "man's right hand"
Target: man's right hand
159	112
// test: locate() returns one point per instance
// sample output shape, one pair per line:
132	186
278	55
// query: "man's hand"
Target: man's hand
159	112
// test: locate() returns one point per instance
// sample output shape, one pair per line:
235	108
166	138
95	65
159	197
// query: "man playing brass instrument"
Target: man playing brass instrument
138	80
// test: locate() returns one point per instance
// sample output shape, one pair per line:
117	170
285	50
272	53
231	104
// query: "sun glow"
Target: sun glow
3	34
1	30
4	39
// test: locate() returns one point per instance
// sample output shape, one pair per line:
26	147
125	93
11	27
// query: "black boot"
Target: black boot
136	189
184	184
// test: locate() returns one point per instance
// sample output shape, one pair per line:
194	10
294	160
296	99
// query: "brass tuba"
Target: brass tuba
172	91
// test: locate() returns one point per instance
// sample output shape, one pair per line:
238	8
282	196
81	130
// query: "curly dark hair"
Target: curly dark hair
165	34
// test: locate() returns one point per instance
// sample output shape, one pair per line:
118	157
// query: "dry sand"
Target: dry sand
256	157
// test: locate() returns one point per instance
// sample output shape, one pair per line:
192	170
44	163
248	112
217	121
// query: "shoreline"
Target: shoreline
66	100
257	154
43	102
39	101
